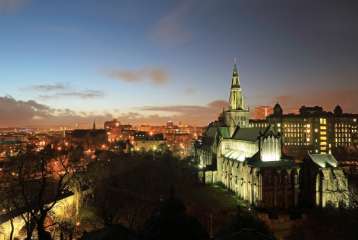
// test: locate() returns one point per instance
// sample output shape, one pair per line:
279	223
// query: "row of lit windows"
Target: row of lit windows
294	140
259	125
342	130
343	135
296	144
294	135
343	140
323	142
293	130
298	125
344	125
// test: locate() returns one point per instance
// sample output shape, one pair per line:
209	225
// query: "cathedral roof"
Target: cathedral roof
324	160
224	132
282	163
211	131
235	155
247	134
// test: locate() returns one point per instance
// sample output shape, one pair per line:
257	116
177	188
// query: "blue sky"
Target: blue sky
128	56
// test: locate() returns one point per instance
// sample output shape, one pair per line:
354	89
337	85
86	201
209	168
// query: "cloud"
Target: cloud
10	6
190	91
60	90
49	87
17	113
156	76
86	94
194	114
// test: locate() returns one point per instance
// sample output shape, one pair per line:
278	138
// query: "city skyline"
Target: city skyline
178	119
84	61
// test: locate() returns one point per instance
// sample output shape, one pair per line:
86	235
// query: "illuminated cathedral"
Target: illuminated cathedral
247	160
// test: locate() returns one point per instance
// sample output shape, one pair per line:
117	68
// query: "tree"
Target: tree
6	210
245	225
172	222
41	178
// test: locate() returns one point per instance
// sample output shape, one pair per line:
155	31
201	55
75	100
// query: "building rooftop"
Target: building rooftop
324	160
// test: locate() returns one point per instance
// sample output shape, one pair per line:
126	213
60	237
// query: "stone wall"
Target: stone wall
331	188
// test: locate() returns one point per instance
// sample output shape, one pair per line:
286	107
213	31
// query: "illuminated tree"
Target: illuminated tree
41	179
7	208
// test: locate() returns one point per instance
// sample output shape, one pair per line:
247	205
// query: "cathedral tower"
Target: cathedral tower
238	114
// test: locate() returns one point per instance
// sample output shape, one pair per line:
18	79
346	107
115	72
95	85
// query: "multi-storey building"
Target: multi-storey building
117	131
313	129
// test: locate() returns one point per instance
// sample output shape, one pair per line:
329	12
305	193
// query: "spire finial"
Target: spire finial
235	71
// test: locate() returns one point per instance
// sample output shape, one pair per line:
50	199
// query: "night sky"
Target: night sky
66	62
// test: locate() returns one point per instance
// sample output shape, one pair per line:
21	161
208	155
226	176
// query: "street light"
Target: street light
154	149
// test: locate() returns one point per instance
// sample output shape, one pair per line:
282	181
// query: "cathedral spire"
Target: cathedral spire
238	114
236	99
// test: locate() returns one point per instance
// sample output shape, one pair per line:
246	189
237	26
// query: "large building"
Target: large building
313	129
88	139
249	160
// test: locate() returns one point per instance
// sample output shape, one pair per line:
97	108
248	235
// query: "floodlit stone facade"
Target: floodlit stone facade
323	182
249	161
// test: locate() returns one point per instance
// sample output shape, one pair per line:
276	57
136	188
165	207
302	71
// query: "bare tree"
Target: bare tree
41	179
7	209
